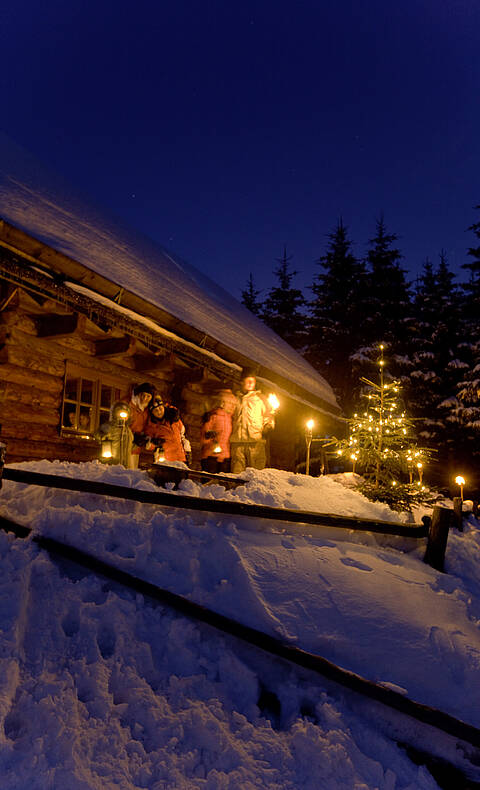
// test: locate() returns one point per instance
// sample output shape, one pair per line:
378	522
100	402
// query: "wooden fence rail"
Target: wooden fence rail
229	507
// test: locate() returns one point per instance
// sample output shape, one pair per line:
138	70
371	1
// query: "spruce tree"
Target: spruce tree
284	305
388	303
337	311
434	374
250	297
461	409
386	309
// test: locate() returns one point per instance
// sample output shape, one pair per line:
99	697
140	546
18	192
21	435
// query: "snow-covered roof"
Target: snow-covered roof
43	205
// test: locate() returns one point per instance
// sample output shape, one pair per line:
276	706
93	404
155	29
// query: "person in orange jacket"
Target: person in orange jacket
141	396
215	437
166	432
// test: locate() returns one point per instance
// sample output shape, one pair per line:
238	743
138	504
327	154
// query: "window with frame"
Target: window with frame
87	398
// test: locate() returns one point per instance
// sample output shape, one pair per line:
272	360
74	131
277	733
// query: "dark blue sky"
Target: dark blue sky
226	130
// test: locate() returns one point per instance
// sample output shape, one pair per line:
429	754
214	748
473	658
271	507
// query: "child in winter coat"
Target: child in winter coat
215	438
166	432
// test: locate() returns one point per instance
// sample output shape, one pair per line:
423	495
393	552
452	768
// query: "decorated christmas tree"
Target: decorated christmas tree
381	445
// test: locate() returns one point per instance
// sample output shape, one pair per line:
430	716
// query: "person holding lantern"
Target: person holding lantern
252	419
116	436
215	437
166	432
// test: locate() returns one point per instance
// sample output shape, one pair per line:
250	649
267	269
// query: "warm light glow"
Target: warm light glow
217	449
123	415
460	481
419	465
310	424
273	401
106	450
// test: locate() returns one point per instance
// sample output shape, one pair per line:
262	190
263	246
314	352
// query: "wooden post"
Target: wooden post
3	453
437	538
458	512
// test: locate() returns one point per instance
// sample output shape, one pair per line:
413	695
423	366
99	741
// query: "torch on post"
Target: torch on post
308	441
458	504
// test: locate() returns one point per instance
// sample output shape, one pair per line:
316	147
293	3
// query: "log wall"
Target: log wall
32	375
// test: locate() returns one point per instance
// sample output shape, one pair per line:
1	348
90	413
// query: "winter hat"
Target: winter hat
145	387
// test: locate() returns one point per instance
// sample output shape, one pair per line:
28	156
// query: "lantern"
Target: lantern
106	450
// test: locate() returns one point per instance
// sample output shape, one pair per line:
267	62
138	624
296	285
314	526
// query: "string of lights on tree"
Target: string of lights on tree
381	444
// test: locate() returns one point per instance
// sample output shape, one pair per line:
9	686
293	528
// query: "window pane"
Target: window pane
105	397
71	388
87	391
104	416
69	416
84	420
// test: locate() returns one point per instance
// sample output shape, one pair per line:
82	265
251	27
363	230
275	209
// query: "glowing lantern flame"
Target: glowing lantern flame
273	401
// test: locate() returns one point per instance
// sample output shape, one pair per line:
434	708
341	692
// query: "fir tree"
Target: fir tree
388	303
386	309
337	312
382	444
431	385
283	306
250	297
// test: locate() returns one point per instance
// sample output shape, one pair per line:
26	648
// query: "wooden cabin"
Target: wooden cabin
89	308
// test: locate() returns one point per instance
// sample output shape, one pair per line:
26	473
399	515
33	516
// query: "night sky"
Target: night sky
228	130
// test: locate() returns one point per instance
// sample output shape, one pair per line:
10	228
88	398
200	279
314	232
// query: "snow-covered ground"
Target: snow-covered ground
101	689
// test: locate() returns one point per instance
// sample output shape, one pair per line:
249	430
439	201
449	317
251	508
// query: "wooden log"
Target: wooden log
25	413
12	394
49	357
20	375
158	365
437	538
22	430
15	318
29	356
115	346
54	324
458	513
29	450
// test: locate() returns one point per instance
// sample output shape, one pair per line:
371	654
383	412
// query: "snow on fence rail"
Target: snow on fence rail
435	529
164	498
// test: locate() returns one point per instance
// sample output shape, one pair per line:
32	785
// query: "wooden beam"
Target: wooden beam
55	324
153	362
115	346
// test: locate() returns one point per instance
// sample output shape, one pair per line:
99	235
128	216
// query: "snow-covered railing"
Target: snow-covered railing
228	507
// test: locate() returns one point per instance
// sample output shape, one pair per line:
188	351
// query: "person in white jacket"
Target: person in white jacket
251	420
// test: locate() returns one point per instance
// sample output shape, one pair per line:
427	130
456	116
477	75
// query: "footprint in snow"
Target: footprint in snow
355	564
